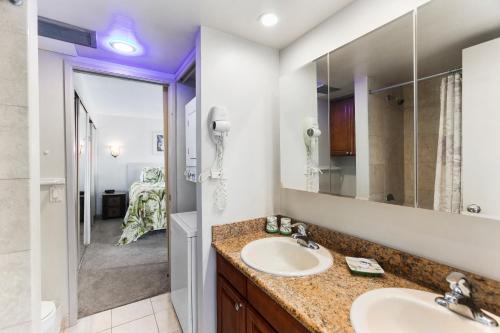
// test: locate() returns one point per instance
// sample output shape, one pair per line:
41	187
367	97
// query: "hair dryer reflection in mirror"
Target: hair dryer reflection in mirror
311	133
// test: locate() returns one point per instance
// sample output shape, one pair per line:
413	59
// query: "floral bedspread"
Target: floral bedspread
146	211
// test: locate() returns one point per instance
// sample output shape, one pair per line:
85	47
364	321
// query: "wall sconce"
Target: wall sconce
81	147
114	150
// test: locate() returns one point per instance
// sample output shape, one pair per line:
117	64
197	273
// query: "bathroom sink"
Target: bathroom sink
409	311
283	256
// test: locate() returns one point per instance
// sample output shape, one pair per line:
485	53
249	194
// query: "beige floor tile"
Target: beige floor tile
142	325
92	324
22	328
167	322
131	312
162	302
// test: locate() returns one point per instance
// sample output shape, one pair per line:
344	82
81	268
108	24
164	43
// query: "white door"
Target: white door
481	128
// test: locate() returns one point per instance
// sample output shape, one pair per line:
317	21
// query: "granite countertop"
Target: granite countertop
320	302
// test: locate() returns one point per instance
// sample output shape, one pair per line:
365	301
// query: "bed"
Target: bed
147	205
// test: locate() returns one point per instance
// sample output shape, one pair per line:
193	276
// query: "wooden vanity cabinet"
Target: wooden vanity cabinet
242	307
257	324
231	314
342	127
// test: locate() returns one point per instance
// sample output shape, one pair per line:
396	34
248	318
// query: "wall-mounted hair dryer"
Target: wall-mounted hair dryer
311	133
218	123
218	127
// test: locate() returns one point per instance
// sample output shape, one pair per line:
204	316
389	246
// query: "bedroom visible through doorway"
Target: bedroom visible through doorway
123	209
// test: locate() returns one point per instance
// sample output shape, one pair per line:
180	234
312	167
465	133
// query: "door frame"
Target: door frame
118	71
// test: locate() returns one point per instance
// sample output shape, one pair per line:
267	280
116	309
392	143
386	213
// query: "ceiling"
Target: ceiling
167	28
104	95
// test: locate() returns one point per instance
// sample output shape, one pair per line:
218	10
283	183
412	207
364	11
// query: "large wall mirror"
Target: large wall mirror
381	120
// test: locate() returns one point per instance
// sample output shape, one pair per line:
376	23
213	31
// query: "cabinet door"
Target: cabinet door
480	134
342	135
257	324
231	309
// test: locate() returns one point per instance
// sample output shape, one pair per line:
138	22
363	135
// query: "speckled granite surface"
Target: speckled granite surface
423	271
224	231
322	302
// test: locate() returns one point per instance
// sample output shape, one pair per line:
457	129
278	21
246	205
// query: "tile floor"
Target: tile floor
152	315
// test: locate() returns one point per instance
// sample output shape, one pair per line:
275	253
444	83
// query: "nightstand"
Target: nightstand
114	205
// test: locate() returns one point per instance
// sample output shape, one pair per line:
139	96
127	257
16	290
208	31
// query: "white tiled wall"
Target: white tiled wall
15	294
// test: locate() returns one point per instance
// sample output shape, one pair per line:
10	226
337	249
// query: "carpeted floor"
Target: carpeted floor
111	276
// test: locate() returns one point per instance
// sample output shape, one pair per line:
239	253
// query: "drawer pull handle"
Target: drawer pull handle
238	306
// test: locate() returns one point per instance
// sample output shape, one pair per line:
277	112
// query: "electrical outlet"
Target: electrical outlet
215	174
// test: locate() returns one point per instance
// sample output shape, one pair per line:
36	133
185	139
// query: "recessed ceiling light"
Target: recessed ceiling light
268	19
123	47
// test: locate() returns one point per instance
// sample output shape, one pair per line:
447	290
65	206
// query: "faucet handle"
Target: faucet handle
301	228
459	284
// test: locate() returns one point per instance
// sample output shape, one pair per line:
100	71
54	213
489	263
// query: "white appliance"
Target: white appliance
183	268
190	110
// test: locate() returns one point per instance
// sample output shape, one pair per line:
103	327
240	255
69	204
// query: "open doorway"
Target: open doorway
122	211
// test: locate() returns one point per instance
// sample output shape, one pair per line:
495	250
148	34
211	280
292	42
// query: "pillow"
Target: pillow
152	175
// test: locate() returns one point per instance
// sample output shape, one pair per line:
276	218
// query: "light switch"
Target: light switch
55	194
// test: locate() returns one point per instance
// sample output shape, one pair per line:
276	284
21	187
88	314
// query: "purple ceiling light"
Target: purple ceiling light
120	38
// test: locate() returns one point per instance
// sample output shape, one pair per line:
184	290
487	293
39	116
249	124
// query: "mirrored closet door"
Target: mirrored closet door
86	164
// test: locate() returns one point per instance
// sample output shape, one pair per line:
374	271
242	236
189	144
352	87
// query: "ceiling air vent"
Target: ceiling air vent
66	32
323	89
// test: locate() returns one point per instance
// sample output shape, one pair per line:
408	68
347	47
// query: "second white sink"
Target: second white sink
285	257
409	311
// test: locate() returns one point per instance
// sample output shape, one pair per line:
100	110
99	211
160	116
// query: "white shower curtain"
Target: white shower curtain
448	182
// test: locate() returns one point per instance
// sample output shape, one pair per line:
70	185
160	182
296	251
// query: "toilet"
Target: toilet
50	316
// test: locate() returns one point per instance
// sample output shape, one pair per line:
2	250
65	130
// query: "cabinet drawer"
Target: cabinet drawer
114	212
114	201
272	312
235	277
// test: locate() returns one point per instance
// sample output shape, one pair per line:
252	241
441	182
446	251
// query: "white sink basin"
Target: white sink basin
408	311
285	257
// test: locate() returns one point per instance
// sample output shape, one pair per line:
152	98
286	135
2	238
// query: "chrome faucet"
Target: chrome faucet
459	300
302	236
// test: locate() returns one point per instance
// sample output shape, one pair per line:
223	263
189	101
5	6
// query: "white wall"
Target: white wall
243	77
186	191
297	100
52	165
135	136
465	242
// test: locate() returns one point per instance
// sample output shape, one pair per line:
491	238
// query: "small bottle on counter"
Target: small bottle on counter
286	226
272	224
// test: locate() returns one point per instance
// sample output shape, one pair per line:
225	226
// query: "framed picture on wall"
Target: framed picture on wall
158	143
